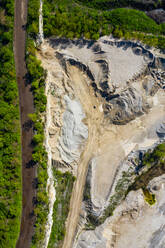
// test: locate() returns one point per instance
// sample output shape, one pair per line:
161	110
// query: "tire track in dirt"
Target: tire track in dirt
93	120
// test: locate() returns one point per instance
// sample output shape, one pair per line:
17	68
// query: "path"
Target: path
81	90
26	107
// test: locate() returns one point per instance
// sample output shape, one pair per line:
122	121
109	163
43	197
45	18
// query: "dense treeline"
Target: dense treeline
36	77
33	18
66	18
10	141
110	4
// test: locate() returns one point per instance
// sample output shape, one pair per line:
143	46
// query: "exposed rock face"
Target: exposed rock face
157	15
74	132
124	108
107	103
122	89
161	130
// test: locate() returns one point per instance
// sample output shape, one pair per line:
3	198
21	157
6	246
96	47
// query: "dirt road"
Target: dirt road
26	107
93	119
77	194
78	82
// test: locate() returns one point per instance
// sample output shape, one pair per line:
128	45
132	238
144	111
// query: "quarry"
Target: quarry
82	124
106	105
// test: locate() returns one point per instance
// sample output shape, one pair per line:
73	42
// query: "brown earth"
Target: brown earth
26	107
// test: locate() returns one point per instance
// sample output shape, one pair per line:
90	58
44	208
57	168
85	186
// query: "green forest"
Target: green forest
74	20
10	141
110	4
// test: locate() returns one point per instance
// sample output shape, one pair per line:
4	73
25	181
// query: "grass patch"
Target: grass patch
148	197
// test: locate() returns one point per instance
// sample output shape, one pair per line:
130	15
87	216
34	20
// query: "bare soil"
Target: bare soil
26	107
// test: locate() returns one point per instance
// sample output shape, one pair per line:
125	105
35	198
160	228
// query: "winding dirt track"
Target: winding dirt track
26	107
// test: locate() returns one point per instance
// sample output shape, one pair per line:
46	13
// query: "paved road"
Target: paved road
26	107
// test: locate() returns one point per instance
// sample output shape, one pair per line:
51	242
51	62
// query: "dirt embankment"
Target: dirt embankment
26	107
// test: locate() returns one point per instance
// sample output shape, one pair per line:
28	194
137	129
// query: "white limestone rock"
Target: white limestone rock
74	131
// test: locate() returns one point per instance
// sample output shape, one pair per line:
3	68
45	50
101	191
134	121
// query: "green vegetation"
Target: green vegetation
33	18
154	163
36	77
149	198
64	184
154	158
68	19
109	4
10	140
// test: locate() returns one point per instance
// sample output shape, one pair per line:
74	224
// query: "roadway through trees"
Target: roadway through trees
26	107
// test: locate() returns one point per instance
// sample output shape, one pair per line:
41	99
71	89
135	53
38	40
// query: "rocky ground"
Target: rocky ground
133	224
157	15
107	101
